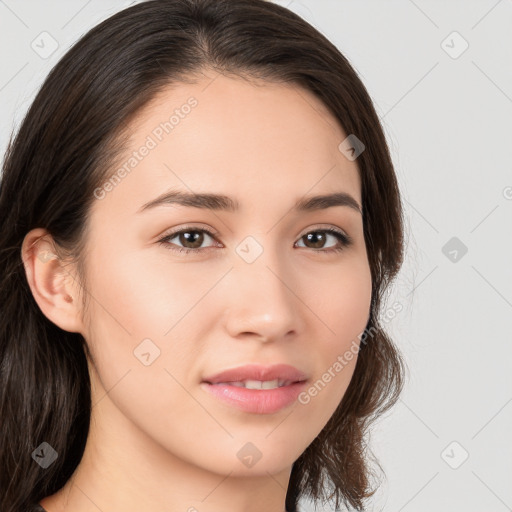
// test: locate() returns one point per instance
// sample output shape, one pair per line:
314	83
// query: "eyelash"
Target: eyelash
343	238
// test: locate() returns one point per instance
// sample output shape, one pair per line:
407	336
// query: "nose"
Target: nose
262	300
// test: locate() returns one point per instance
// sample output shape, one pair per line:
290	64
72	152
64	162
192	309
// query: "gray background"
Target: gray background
448	118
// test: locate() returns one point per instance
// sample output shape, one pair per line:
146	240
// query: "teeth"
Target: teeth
258	384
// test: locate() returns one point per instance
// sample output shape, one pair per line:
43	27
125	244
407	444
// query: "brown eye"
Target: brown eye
317	239
194	238
191	240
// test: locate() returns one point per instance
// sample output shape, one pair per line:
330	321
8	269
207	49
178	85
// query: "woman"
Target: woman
200	218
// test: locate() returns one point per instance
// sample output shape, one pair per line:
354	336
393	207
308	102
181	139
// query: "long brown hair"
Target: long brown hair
63	150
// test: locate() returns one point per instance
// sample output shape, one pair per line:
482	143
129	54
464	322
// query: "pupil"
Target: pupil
185	237
318	236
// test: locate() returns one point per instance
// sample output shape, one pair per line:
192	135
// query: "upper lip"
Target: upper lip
283	372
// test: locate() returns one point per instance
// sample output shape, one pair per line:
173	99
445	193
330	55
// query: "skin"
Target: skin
157	440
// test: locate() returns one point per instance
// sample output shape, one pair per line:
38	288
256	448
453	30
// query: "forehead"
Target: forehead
252	140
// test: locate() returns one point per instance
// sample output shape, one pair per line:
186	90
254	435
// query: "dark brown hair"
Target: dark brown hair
64	149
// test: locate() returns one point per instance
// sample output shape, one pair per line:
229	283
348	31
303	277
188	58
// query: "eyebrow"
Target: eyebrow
219	202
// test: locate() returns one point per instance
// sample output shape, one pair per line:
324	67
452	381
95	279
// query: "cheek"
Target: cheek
343	301
344	307
140	338
146	311
146	295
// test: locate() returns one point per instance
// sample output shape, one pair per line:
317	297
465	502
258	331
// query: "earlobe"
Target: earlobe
53	286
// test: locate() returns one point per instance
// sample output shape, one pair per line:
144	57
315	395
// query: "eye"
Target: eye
188	235
342	238
194	237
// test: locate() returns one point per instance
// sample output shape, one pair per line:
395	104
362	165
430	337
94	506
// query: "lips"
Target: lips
255	372
255	401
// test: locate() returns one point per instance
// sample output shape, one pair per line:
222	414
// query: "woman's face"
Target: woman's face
258	290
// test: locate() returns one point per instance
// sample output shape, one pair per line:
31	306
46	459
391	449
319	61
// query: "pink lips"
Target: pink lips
258	372
259	401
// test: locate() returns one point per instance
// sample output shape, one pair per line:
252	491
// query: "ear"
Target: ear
51	281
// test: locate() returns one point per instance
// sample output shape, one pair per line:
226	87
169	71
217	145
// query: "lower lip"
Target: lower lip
259	401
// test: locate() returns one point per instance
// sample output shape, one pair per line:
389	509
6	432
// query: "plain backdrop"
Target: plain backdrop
440	75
